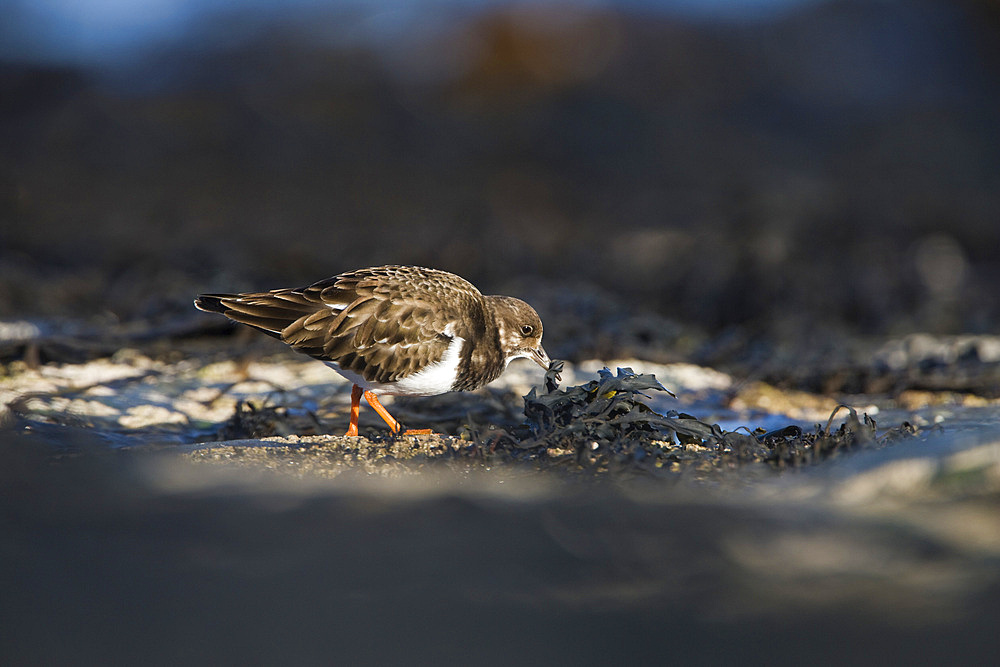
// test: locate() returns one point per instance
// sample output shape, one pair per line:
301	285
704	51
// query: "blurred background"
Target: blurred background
789	168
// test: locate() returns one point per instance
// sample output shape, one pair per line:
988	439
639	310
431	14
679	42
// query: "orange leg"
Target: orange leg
382	412
356	392
393	424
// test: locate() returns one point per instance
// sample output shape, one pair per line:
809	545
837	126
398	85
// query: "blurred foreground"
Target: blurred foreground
148	558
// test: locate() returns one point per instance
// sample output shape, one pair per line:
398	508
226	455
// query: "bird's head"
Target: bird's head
520	330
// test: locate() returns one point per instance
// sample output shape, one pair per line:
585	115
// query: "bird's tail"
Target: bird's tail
212	303
270	312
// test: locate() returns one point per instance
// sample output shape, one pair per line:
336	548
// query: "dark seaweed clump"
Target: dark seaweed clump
250	421
605	423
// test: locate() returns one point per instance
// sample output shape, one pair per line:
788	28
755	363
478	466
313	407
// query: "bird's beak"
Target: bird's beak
539	357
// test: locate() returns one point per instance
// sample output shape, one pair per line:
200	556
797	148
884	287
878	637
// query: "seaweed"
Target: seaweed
252	421
605	422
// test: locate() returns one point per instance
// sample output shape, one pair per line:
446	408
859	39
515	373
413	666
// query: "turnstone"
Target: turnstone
397	330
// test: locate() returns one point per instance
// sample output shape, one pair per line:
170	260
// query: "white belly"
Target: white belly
438	378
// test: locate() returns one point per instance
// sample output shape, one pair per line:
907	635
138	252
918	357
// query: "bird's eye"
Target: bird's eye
527	330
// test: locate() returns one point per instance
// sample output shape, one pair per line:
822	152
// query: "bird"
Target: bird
394	330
